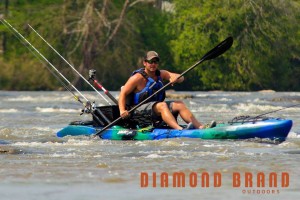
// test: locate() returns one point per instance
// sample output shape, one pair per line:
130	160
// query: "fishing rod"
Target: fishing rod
20	36
277	110
87	106
92	74
69	64
247	118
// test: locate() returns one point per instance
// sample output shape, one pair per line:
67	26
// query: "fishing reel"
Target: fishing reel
88	108
92	74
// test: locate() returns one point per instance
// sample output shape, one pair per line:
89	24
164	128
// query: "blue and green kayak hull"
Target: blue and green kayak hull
273	129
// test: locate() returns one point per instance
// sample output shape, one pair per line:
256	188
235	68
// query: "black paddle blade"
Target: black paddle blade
218	50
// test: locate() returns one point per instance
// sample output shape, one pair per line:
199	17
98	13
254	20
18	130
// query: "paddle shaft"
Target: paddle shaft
218	50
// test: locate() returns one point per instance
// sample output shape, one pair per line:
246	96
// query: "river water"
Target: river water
35	164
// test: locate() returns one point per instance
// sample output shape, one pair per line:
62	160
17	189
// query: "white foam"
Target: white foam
293	135
70	142
11	110
155	156
294	94
201	95
51	110
257	100
225	99
39	98
254	107
43	128
213	145
68	155
220	108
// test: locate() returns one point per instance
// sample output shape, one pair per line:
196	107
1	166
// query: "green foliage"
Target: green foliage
151	30
265	53
265	35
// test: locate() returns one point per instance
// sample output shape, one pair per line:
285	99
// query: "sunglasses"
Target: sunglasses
152	61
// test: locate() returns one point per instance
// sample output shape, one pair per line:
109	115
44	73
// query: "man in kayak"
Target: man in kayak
143	83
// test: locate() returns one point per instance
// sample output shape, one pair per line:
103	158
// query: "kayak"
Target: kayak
275	129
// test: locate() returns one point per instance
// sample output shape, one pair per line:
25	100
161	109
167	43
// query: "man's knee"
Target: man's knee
161	106
178	105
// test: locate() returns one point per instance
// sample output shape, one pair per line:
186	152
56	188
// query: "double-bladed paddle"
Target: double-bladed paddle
215	52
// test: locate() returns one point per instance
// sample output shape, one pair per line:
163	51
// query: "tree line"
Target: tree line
112	37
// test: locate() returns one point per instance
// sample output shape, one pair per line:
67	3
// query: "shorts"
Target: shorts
145	116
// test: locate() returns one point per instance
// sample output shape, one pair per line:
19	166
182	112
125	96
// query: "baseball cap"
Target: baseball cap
151	54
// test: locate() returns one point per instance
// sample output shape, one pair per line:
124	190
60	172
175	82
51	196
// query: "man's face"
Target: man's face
152	64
